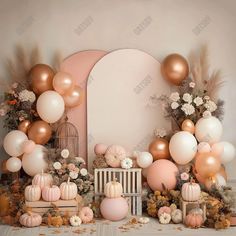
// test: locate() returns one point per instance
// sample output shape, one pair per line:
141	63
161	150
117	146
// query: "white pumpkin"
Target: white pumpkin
30	219
68	190
176	216
42	179
32	193
113	189
191	191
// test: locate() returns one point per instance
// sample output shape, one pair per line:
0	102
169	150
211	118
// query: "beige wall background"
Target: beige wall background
158	27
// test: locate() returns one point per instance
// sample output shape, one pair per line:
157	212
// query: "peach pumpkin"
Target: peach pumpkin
113	189
68	190
193	220
32	193
30	219
114	155
51	193
42	179
164	209
86	215
191	191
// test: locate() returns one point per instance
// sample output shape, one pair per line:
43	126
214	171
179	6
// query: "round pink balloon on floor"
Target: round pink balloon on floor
79	66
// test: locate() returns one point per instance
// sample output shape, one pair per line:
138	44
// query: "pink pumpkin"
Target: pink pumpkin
164	209
193	220
86	215
51	193
30	219
114	155
191	191
114	209
42	180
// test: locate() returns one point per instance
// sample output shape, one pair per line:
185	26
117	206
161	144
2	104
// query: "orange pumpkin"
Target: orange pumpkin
4	204
194	220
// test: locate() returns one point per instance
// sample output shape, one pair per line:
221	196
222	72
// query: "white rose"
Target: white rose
210	106
187	97
206	97
174	97
188	109
57	165
83	172
65	153
160	132
198	101
26	95
174	105
192	84
73	175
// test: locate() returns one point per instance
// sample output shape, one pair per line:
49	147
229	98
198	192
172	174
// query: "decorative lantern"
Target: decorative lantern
67	137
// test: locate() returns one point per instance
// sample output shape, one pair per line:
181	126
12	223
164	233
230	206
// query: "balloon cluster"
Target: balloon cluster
55	92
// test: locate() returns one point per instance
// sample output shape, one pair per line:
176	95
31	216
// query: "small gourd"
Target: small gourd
193	220
32	193
30	219
191	191
42	179
113	189
68	190
51	193
164	209
176	216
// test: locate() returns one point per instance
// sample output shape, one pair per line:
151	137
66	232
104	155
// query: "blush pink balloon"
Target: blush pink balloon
203	147
114	209
63	82
217	149
162	172
29	146
100	149
74	97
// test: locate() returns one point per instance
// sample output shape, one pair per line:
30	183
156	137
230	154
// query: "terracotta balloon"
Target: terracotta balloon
74	97
63	82
188	125
40	132
41	77
175	68
24	126
159	148
207	164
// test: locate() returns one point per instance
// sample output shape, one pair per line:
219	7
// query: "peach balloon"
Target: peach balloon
74	97
203	147
223	172
217	148
159	148
29	146
41	77
63	82
199	178
188	125
175	68
162	172
100	149
207	164
40	132
24	126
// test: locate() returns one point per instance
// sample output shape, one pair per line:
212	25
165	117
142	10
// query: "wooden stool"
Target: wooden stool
187	206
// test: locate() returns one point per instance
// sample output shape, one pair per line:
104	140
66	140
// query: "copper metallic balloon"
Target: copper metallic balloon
159	148
41	77
188	126
175	68
207	164
24	126
74	97
40	132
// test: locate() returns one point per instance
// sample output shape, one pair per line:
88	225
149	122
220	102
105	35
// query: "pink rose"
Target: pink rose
71	166
184	176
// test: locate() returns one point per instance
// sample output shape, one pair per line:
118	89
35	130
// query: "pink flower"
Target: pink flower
76	170
71	166
184	176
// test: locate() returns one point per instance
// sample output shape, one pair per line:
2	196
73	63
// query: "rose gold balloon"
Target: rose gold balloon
175	69
207	164
40	132
41	77
74	97
24	126
63	82
223	172
188	126
159	148
210	181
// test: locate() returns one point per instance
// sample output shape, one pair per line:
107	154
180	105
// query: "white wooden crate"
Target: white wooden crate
131	181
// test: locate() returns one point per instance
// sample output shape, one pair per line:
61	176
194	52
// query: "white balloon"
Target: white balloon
208	129
13	142
13	164
36	161
203	147
144	159
228	152
50	106
183	147
220	180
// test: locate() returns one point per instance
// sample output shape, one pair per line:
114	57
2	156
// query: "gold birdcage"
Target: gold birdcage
67	137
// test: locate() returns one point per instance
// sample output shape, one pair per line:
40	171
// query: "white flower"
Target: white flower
160	132
143	220
2	112
206	97
174	97
57	165
26	95
73	175
75	221
192	84
83	172
174	105
165	218
206	114
187	97
80	159
210	106
65	153
14	85
126	163
198	101
188	109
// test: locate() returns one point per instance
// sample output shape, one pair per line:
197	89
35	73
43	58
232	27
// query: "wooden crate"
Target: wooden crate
131	181
70	207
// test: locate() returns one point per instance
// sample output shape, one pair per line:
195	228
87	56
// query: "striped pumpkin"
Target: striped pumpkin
42	180
68	190
191	191
32	193
51	193
113	189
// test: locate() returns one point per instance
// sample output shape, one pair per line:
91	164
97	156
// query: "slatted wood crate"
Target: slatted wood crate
70	207
131	181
